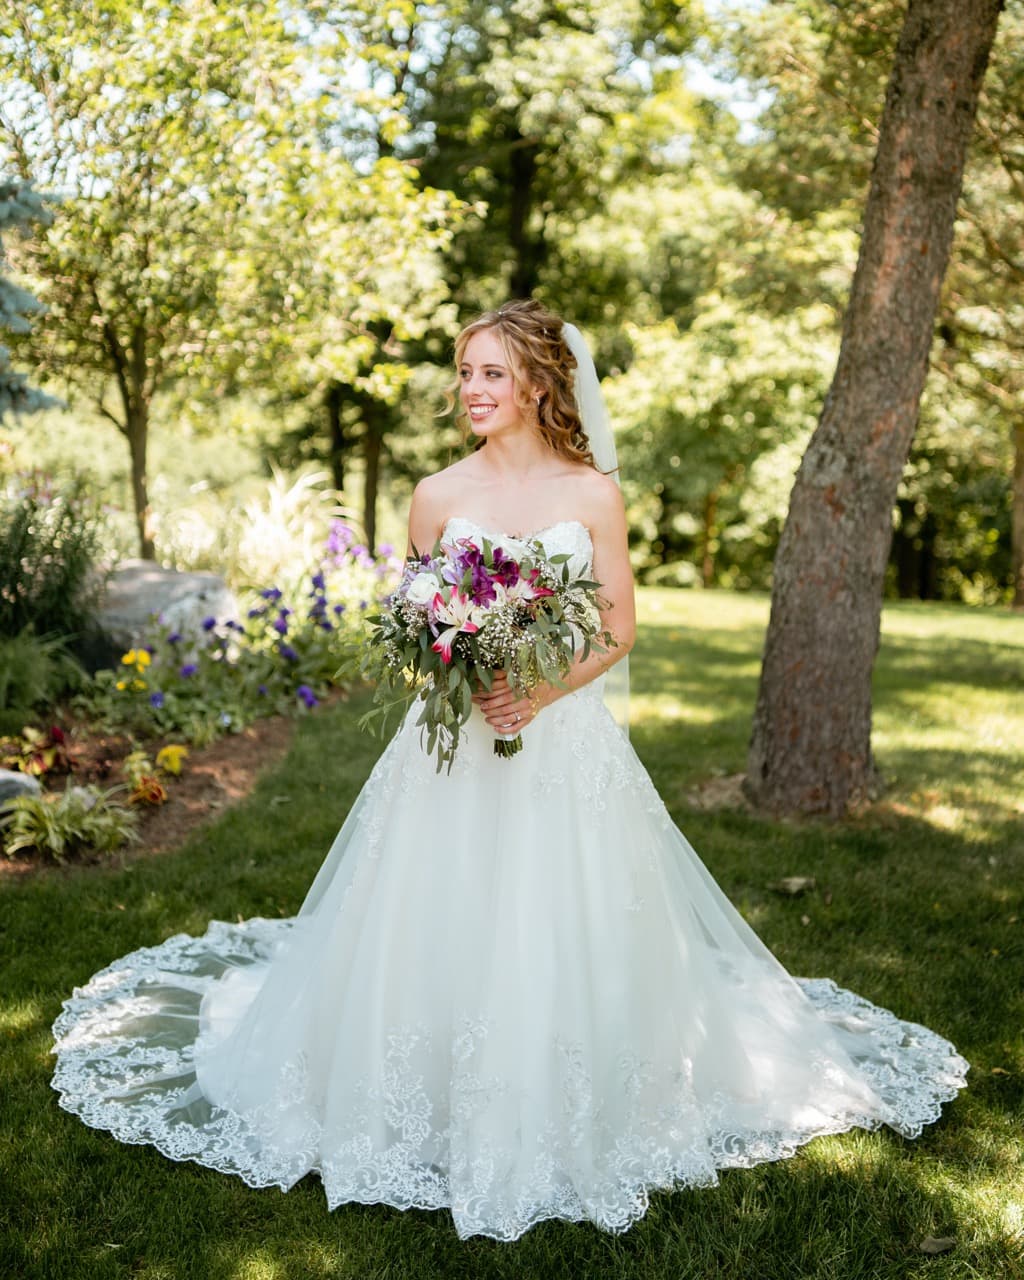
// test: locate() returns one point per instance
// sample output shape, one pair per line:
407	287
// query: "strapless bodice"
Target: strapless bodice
565	537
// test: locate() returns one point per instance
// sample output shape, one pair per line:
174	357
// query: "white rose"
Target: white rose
422	589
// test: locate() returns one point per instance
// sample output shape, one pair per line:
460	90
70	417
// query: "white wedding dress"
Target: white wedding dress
513	991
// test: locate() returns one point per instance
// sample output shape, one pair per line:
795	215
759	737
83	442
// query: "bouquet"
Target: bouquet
463	613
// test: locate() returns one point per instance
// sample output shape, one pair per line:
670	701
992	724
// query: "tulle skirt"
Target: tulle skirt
513	991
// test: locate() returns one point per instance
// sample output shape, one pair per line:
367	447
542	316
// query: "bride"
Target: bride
512	991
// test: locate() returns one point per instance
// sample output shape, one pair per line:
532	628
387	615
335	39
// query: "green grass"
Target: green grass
919	907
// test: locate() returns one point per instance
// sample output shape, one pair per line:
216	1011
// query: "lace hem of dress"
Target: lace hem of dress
395	1142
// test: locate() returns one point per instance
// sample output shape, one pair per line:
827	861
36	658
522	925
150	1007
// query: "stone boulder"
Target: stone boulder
14	784
139	590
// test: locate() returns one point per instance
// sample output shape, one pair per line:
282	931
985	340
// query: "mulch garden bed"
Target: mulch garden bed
212	779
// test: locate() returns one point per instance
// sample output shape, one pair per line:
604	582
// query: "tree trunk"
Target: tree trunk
333	402
707	570
810	749
372	446
526	253
138	440
129	365
1018	513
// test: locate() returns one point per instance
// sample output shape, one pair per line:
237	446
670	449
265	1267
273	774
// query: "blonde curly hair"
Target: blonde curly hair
538	357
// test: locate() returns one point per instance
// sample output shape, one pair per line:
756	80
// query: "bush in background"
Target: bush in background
282	656
50	542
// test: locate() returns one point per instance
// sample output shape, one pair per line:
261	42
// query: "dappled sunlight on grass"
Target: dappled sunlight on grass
918	904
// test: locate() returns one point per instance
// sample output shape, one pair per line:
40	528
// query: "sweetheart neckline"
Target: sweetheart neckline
516	537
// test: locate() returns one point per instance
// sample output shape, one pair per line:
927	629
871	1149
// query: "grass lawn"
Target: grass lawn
919	907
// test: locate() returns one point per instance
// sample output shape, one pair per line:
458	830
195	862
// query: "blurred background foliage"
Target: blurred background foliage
266	222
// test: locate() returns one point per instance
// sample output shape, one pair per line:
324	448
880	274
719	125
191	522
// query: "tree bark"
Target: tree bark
710	537
130	370
526	252
810	749
1017	515
372	446
138	441
333	402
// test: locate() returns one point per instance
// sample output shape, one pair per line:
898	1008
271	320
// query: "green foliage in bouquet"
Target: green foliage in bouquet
463	613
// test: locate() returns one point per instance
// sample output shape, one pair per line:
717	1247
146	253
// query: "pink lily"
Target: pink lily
460	613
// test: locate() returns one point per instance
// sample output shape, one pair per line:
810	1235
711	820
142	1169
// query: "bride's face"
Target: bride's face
487	387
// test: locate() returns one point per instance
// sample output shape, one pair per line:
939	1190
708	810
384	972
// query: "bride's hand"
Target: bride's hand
505	710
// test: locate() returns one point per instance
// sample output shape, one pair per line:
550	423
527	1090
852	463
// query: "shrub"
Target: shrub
78	820
282	657
34	672
49	545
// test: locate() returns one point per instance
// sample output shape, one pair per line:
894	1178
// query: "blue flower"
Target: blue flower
209	623
189	669
318	581
339	609
324	625
271	593
261	690
288	653
280	625
156	699
256	613
307	695
174	637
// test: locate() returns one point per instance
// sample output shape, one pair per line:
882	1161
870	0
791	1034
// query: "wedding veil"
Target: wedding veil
594	414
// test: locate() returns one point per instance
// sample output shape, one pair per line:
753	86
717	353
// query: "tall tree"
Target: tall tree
20	208
811	743
210	222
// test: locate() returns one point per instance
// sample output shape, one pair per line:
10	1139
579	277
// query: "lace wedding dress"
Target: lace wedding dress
513	991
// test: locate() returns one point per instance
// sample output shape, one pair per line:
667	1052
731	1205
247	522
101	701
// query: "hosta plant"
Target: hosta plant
60	824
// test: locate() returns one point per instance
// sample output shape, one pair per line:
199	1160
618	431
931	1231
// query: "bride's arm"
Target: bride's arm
606	519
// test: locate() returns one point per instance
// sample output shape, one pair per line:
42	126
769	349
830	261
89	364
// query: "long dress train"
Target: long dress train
513	991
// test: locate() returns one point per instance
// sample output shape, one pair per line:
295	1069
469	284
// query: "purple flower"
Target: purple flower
385	549
339	539
256	613
339	609
307	695
363	604
280	625
209	623
324	625
271	593
148	648
156	699
189	669
261	690
288	653
318	582
174	637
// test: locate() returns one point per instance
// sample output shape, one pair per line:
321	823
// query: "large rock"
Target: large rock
14	784
139	591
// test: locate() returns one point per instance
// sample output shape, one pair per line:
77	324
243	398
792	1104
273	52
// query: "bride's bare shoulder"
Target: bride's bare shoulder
597	494
434	496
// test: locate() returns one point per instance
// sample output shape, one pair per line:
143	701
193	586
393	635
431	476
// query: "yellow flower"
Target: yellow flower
169	758
128	659
122	684
137	658
138	684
